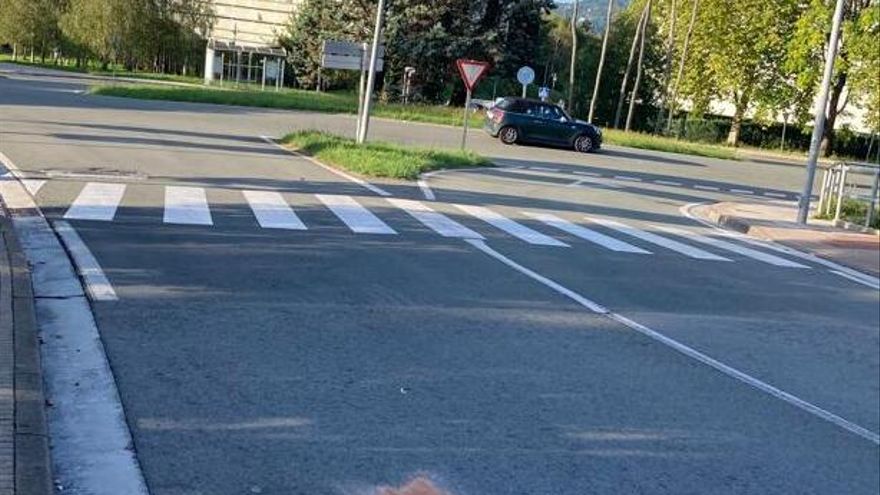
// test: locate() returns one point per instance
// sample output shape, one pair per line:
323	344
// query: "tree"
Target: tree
740	46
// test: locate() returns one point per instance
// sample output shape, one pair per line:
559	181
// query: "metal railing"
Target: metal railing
849	183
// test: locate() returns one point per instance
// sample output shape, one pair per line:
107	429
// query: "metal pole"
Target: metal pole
819	124
263	88
524	90
872	201
361	83
283	66
371	77
823	191
467	108
840	187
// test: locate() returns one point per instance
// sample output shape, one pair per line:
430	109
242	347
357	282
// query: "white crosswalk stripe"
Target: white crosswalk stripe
513	228
586	234
682	248
33	185
736	248
272	212
355	216
186	205
96	201
437	222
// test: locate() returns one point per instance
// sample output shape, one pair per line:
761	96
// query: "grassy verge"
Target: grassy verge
852	210
378	159
113	72
658	143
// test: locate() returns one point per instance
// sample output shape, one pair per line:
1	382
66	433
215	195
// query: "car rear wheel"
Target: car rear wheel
508	135
583	144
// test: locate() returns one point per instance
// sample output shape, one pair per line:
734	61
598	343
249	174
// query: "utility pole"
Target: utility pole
574	45
371	76
635	93
601	61
819	123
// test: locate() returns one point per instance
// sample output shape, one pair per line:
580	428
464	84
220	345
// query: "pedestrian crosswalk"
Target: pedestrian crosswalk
189	205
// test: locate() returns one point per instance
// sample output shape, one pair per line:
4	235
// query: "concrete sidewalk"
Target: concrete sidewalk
775	221
24	443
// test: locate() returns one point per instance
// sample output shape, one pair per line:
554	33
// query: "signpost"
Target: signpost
525	75
347	55
471	72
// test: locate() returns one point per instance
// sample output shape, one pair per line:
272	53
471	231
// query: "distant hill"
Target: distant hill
591	10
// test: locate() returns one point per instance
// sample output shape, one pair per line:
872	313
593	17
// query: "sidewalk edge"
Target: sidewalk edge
33	473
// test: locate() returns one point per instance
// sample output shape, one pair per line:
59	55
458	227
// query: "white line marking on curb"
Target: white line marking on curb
426	190
437	222
586	234
512	227
33	186
667	182
356	180
96	201
356	217
729	246
742	191
684	249
272	212
854	275
682	348
186	205
706	188
97	284
91	443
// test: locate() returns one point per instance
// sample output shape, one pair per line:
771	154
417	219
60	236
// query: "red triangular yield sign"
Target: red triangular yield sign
471	71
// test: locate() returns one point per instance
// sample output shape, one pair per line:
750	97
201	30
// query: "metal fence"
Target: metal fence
848	189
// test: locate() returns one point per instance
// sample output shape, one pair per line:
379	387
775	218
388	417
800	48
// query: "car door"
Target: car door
532	124
554	128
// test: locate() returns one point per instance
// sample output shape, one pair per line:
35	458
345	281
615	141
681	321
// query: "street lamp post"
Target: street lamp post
819	123
371	76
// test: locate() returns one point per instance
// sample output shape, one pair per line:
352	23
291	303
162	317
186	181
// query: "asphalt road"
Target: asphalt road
324	360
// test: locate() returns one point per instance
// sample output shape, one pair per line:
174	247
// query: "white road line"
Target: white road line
545	169
589	174
736	248
437	222
586	234
626	177
596	183
97	284
660	241
575	183
682	348
706	188
854	275
272	212
356	217
356	180
867	283
426	189
14	195
96	201
775	195
512	227
186	205
667	182
33	186
742	191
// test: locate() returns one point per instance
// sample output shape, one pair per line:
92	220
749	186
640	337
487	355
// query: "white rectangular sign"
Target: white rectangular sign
349	63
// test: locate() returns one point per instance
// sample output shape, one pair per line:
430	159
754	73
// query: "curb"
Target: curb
33	474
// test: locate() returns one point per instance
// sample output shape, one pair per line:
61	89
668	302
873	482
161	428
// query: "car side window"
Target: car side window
532	110
552	112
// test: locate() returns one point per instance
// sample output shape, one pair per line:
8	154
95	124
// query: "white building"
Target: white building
243	42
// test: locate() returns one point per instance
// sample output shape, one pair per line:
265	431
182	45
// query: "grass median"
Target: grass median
377	159
669	145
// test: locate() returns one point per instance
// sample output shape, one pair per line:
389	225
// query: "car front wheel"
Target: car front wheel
583	144
508	135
